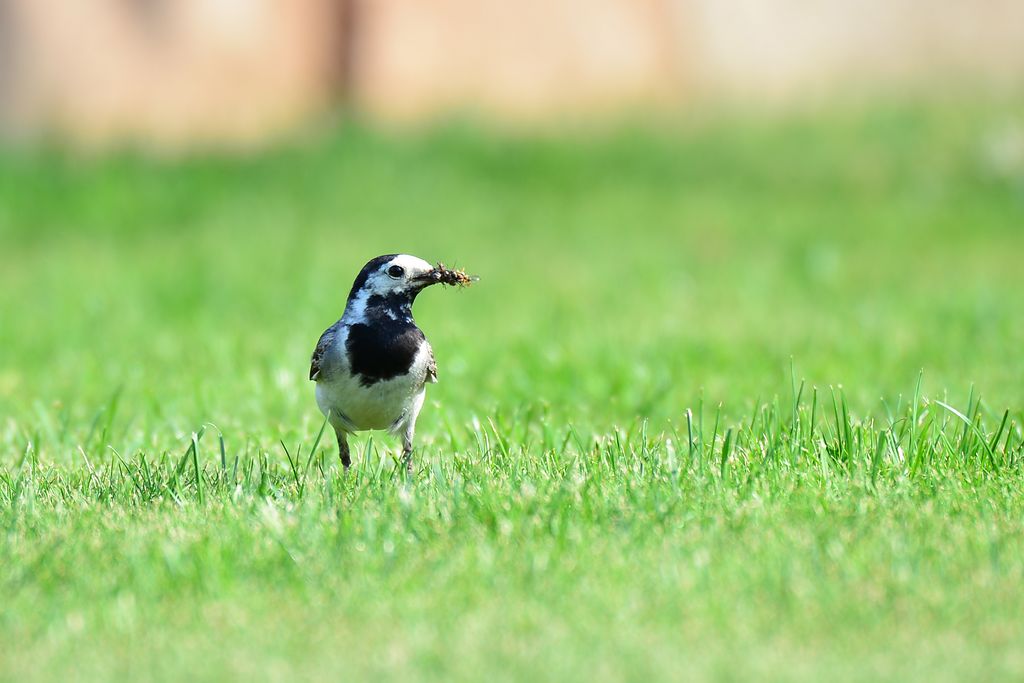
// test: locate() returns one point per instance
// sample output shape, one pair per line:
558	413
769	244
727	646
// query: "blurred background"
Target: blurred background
669	201
180	71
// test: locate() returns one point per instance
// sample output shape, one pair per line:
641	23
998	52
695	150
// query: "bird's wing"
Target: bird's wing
431	368
326	339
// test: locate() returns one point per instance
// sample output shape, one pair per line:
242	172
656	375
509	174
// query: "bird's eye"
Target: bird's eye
396	272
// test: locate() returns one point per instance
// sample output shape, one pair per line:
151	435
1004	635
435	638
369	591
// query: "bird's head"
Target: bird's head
391	282
394	274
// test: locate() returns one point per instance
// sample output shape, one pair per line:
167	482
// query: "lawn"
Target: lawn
735	399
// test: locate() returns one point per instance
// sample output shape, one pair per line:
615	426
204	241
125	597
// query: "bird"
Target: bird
371	367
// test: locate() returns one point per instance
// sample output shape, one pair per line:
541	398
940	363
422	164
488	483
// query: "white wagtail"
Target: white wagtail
372	366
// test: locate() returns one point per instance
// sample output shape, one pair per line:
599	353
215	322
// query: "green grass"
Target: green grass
741	400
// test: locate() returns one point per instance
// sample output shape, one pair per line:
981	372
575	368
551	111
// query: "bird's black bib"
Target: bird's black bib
382	350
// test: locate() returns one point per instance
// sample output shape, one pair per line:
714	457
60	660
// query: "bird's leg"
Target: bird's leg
407	446
343	452
409	429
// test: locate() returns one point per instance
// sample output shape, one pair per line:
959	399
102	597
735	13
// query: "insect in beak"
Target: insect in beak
446	276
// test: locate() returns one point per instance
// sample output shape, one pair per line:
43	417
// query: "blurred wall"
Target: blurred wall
518	59
239	70
166	70
790	48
